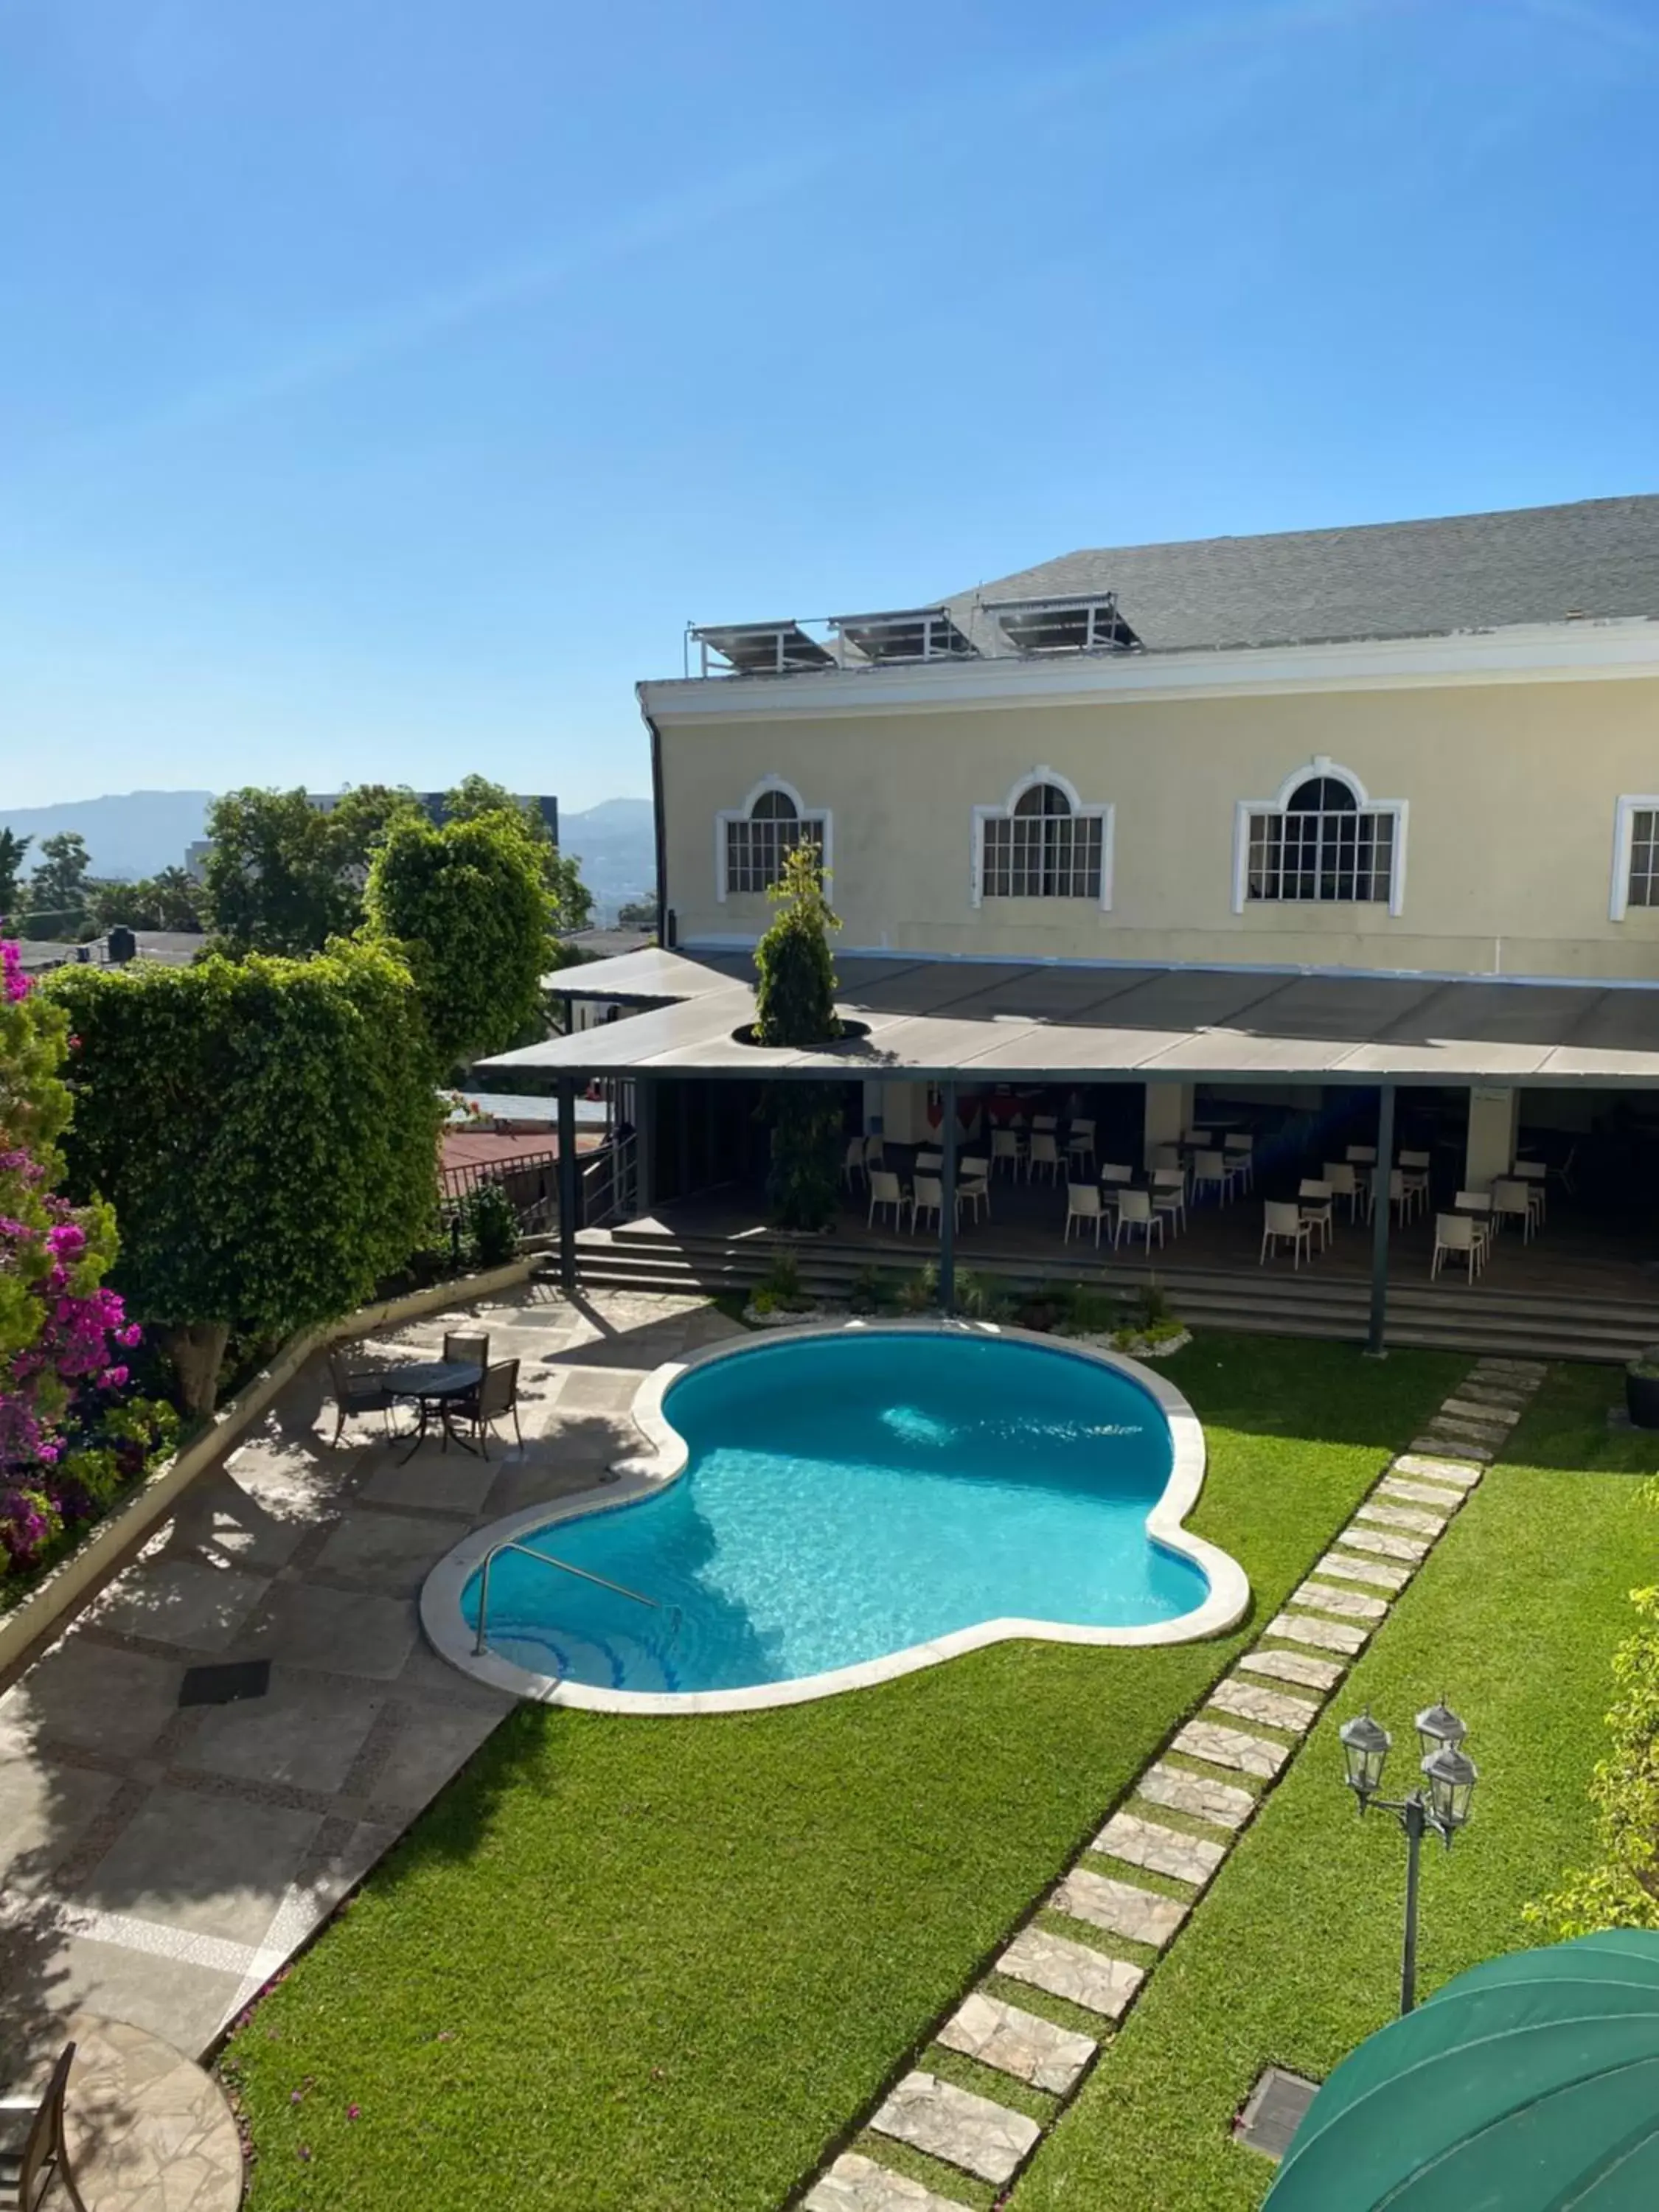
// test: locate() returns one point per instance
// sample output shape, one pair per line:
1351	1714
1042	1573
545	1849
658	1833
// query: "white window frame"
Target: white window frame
1630	804
1105	814
1320	765
821	815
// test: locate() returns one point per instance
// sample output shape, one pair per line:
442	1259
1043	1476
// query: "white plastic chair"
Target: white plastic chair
1044	1154
1193	1138
1049	1124
1005	1145
1082	1204
1211	1170
1457	1235
1477	1206
1363	1160
1165	1155
853	1166
1081	1144
1239	1148
1344	1183
1414	1173
927	1197
874	1153
1511	1201
929	1160
1536	1176
973	1186
1282	1223
1400	1198
1168	1194
1314	1202
1135	1212
885	1189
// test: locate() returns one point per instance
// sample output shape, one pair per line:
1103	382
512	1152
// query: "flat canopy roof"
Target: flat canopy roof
1013	1021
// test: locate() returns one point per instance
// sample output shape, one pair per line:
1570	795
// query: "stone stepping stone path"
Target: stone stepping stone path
1231	1746
1345	1568
1303	1655
1321	1675
1161	1851
1222	1803
1144	1916
1018	2043
1074	1971
859	2184
972	2132
1250	1701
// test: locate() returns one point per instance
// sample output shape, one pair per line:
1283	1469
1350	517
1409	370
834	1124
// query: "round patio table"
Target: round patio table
432	1384
145	2125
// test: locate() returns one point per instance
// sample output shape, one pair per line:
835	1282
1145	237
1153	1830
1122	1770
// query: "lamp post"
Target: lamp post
1440	1802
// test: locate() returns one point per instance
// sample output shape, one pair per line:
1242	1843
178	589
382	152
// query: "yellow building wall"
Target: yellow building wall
1511	791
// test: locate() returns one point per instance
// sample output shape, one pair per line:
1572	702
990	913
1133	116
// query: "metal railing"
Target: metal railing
610	1184
548	1559
529	1180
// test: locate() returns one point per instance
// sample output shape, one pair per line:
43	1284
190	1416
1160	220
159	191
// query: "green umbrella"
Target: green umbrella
1530	2084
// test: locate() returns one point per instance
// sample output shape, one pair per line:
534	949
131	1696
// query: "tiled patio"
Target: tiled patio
157	1864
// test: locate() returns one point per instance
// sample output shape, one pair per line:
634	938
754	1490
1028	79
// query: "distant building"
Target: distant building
434	802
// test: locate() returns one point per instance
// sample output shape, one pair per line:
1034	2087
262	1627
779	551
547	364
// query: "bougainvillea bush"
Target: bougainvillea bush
72	1431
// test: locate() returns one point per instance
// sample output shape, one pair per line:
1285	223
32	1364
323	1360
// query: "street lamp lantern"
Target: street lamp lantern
1365	1746
1438	1724
1451	1777
1440	1802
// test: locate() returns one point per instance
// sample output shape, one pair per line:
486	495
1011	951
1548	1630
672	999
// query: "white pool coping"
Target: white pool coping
647	1473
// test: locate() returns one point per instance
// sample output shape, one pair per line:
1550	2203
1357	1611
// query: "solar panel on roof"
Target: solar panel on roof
913	633
1071	625
763	649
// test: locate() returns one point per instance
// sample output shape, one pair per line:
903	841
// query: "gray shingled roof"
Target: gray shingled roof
1597	558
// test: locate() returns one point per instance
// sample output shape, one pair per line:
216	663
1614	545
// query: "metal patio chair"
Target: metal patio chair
34	2152
495	1397
356	1390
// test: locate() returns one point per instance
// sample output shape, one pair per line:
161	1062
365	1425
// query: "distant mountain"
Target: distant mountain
128	835
617	844
137	832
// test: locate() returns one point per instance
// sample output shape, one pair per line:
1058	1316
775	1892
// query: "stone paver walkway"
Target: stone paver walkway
1279	1687
159	1864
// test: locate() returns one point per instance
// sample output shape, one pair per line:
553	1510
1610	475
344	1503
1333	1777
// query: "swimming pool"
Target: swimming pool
830	1507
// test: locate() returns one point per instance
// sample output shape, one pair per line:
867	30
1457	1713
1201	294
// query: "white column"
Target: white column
904	1114
1494	1119
1169	1113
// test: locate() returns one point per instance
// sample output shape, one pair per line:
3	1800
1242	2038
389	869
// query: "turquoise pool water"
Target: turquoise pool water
850	1496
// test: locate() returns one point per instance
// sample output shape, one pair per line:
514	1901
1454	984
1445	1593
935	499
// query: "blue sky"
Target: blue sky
383	387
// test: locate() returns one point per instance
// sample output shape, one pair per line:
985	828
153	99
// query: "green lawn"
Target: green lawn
1294	1956
656	1964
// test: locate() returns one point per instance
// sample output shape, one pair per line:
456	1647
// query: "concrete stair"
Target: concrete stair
1273	1302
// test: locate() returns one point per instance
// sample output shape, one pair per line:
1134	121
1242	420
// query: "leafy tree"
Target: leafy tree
637	913
274	882
12	849
59	884
267	1130
467	907
166	900
795	1005
572	901
178	901
361	821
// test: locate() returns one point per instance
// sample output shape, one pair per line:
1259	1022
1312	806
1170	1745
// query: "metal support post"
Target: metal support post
1382	1181
947	1213
1413	1820
568	1183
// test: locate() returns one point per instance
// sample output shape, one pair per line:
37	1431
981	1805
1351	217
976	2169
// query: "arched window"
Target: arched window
1043	846
758	840
1322	843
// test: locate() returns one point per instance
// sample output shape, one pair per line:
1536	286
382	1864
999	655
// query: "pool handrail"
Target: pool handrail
548	1559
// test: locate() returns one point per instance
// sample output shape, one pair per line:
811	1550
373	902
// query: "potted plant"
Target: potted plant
1642	1388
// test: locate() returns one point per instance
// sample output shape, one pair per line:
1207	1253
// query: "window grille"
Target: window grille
1644	885
1322	847
1042	849
759	843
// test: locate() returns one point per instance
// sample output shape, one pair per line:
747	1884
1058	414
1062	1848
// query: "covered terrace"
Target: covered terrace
1473	1076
